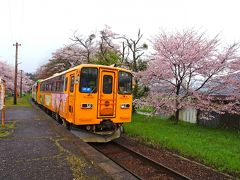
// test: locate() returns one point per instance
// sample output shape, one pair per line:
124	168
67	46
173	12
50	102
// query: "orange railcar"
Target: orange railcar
92	97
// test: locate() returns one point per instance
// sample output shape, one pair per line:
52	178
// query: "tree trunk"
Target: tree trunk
177	115
135	94
177	103
135	69
135	89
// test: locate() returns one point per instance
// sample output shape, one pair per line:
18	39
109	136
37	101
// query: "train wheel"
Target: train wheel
59	119
54	115
122	129
49	112
66	124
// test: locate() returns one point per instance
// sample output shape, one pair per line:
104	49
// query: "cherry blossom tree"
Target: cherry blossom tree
70	55
61	60
100	48
7	73
132	52
108	52
185	72
26	82
87	44
132	56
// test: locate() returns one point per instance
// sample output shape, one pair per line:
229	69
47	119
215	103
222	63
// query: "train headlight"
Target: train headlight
125	106
86	106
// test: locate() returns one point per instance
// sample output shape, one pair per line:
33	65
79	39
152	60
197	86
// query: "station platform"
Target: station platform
40	148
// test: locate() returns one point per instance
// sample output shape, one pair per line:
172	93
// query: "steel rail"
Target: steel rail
160	168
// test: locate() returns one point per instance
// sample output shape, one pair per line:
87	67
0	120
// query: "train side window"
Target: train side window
66	83
72	84
43	87
47	87
61	86
52	86
57	86
60	83
107	84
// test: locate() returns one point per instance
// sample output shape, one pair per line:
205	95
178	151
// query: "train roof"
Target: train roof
84	65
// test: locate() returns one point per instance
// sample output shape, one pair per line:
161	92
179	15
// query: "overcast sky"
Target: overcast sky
42	26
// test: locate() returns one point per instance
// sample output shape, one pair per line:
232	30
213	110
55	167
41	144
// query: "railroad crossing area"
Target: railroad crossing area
37	147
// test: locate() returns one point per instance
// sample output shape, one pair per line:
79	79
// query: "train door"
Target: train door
107	94
71	98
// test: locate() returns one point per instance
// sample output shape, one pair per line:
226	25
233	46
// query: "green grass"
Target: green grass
7	129
218	148
147	109
24	101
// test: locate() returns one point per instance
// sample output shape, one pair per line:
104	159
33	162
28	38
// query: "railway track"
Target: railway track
137	164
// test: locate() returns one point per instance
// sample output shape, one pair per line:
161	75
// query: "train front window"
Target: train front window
88	80
124	83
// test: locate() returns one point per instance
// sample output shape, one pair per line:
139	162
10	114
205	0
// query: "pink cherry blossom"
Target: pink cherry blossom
190	70
7	73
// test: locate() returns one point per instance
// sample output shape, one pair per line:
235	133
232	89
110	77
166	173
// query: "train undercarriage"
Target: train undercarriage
104	132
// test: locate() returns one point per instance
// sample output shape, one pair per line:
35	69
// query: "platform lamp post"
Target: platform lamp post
15	79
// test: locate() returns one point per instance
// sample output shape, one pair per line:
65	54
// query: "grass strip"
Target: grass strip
219	148
23	101
7	129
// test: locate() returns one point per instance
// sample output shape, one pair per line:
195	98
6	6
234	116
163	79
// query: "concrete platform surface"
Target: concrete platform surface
40	148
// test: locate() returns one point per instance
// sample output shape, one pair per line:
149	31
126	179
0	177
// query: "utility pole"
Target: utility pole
21	85
15	79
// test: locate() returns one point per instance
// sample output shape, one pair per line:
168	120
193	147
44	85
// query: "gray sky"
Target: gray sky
42	26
